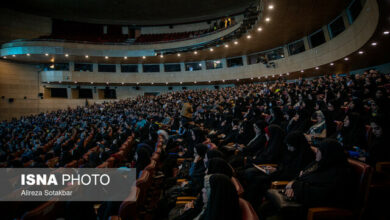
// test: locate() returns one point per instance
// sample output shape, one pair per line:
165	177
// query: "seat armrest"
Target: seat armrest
114	217
328	213
268	164
279	184
186	198
181	203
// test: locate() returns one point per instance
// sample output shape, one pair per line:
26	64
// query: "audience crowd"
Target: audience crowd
303	130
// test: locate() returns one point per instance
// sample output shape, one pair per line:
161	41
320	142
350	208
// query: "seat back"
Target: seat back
128	208
247	211
238	186
143	182
362	176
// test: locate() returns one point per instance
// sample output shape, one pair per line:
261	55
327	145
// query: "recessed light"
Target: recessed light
152	83
251	78
235	42
361	52
178	54
195	52
123	83
75	82
317	68
125	58
238	80
162	56
226	45
107	83
386	32
273	75
331	64
288	74
248	36
211	49
223	80
374	43
66	55
4	57
106	57
86	56
166	83
268	19
302	71
209	81
259	29
143	57
91	82
14	55
46	54
195	82
28	54
181	82
346	59
266	77
271	7
137	83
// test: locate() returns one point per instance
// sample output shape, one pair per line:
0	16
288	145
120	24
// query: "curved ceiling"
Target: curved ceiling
129	12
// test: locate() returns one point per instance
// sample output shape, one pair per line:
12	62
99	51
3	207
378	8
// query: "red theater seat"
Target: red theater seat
247	211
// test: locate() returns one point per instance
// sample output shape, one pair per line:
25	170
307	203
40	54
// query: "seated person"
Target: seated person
318	130
297	155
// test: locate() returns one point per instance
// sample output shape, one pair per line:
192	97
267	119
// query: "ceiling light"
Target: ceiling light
106	57
273	75
271	7
181	82
166	83
178	55
200	64
248	36
226	45
251	78
258	77
137	83
162	56
14	55
86	56
66	55
317	68
152	83
125	58
195	52
259	29
46	54
211	49
28	54
288	74
4	57
107	83
123	83
346	59
331	64
143	57
91	82
386	32
361	52
75	82
195	82
209	81
235	42
52	60
223	80
238	80
268	19
302	71
374	43
60	81
266	77
52	66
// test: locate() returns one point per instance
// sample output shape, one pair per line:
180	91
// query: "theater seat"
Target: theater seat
363	175
238	186
247	211
128	208
47	211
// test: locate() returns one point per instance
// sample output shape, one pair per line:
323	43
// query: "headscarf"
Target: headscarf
218	165
143	159
223	199
332	155
201	149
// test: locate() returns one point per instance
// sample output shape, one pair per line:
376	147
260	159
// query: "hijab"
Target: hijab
143	159
218	165
332	155
222	200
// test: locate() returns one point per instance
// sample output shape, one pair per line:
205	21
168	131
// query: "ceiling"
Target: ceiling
129	12
290	21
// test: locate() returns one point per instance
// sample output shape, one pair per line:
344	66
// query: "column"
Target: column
306	43
326	32
244	60
345	19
